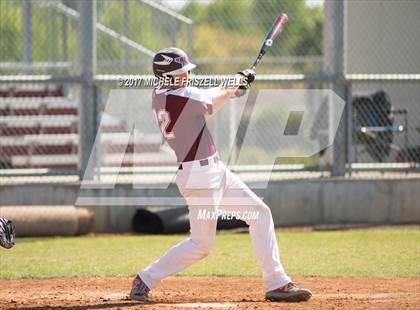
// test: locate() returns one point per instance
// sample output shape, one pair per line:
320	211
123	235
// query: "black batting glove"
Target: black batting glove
249	78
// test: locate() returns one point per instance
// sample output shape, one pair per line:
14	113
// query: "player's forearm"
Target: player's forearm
222	94
220	97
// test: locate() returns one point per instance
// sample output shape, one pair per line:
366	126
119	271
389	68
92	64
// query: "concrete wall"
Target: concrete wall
345	201
293	202
383	36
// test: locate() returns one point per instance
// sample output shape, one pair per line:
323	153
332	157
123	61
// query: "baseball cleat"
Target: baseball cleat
139	291
290	292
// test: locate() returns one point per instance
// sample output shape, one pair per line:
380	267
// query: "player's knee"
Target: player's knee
264	209
260	214
203	246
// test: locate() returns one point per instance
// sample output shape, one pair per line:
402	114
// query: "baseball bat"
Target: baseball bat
271	35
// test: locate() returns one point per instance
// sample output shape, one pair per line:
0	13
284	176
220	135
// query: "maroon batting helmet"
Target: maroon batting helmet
171	61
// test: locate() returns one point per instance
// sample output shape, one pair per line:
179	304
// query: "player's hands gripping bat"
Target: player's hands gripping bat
270	37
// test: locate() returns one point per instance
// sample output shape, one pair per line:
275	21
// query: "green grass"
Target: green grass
386	252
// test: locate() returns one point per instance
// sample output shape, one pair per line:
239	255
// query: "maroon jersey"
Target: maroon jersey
180	114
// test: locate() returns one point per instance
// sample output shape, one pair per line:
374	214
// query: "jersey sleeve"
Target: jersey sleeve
200	101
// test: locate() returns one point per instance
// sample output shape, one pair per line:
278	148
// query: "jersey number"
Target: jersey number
164	120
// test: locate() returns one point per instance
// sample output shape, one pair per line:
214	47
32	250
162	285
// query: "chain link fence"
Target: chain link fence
39	126
36	38
46	122
386	123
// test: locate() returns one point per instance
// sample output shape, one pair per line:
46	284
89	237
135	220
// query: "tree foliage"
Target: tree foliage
223	30
253	18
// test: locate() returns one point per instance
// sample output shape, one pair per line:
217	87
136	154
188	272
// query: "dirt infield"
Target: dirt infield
209	293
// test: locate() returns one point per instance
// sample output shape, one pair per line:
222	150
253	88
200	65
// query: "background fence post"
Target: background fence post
349	140
127	34
87	66
47	34
54	36
64	34
334	62
174	30
27	35
190	42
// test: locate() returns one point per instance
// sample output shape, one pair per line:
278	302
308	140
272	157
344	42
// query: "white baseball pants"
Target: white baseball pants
207	189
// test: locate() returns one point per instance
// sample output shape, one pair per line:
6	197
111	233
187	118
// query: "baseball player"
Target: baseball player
204	181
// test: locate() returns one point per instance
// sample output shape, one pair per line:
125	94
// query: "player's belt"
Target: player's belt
204	162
